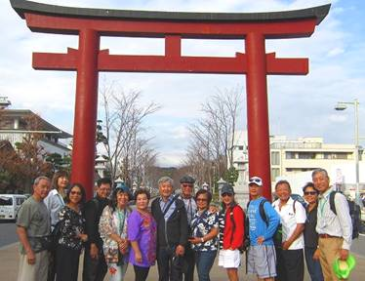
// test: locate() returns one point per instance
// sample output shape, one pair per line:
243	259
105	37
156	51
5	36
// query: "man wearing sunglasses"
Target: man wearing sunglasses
187	187
263	221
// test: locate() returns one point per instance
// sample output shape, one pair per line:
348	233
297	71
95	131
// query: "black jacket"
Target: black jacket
92	211
176	227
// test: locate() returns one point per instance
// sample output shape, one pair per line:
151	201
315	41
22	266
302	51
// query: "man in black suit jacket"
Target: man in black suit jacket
172	231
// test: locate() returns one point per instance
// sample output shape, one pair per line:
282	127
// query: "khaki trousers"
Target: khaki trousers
34	272
329	249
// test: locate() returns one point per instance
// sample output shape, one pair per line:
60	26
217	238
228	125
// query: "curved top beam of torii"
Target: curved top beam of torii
22	6
88	60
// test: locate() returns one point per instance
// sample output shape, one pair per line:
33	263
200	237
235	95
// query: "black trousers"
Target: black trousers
290	265
141	273
67	267
169	265
188	263
94	269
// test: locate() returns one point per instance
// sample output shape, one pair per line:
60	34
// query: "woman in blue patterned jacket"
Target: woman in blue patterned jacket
204	235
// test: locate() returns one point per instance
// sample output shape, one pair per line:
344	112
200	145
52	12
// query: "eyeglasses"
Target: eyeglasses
201	200
226	194
75	193
187	185
310	193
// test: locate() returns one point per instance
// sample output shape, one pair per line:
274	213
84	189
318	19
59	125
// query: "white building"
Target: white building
295	159
15	125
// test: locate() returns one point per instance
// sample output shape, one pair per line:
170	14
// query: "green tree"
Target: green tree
231	175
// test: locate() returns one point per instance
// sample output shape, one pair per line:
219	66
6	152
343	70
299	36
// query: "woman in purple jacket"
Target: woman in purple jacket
142	236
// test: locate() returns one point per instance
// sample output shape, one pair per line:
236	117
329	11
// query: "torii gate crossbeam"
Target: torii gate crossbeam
88	60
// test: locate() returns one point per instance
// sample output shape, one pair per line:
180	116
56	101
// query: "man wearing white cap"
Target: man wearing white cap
263	221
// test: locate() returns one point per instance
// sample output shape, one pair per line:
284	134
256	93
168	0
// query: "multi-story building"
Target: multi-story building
295	159
15	125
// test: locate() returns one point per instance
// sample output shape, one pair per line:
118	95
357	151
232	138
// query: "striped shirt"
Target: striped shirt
335	225
190	206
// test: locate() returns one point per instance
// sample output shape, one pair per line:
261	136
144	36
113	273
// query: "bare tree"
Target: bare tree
213	135
127	151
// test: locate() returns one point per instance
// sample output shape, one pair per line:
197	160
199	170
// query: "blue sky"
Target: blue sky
299	106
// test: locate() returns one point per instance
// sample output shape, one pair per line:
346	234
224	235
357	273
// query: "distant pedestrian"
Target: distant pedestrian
290	264
204	234
113	228
335	231
263	222
186	195
33	228
312	253
95	267
172	231
142	236
55	202
232	229
71	234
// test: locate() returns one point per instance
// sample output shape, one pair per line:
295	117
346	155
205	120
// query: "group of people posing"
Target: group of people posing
180	232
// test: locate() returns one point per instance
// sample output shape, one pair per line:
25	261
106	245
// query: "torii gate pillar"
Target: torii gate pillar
89	60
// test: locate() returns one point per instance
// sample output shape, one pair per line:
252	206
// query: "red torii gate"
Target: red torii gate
88	60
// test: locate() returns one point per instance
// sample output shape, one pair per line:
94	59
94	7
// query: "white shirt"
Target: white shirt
289	220
329	223
54	203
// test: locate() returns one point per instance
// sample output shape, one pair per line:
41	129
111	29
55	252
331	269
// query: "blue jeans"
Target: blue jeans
314	266
204	263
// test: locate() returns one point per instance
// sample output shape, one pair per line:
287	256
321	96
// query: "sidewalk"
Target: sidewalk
9	268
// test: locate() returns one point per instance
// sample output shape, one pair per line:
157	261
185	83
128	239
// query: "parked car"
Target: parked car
10	205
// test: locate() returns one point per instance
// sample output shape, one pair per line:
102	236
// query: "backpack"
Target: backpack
355	214
277	238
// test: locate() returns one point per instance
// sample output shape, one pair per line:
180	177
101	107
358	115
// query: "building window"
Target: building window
275	158
306	155
290	155
275	172
334	155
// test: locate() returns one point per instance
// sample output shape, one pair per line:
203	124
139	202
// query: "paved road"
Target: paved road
358	245
7	233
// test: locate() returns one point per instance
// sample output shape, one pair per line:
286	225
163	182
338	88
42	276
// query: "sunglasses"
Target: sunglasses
201	200
310	193
226	194
187	185
75	193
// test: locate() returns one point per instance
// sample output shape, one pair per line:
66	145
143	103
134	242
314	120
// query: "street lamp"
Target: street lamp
342	106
